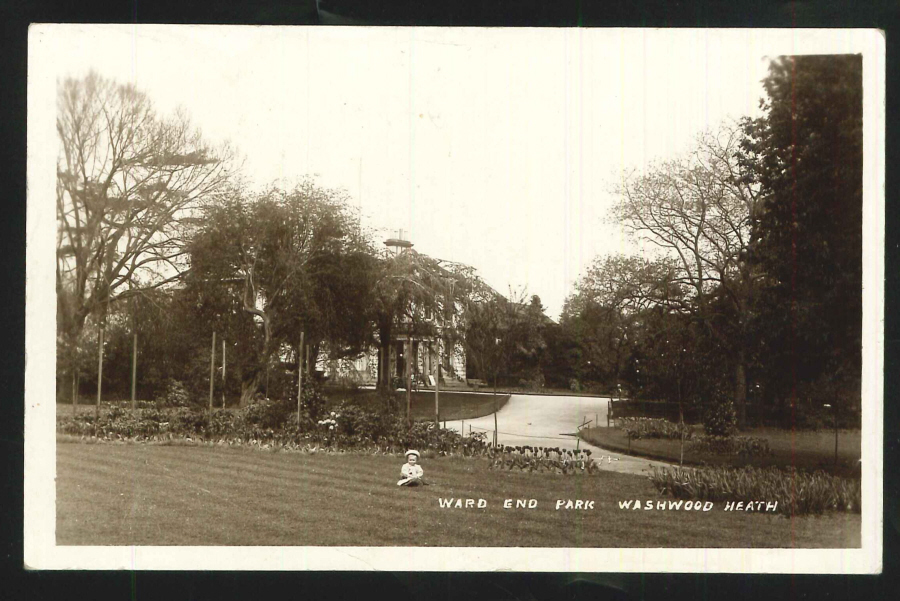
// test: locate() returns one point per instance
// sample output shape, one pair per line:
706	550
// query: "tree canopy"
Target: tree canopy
291	261
806	152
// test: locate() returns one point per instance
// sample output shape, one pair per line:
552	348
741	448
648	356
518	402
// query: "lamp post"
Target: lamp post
834	421
496	375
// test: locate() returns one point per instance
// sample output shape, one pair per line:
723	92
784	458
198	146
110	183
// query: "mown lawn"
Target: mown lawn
803	449
143	494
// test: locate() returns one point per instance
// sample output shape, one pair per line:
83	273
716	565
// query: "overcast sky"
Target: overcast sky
493	147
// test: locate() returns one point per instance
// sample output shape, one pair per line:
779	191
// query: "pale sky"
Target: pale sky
492	147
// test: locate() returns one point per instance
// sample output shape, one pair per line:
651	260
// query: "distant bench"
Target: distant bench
475	383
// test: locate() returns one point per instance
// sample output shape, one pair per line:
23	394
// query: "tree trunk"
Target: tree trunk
249	386
740	389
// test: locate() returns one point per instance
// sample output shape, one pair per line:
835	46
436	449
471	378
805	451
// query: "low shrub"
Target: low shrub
742	446
175	395
364	424
720	419
118	423
646	427
796	492
223	424
312	402
267	413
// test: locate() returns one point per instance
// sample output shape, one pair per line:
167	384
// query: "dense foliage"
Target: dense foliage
795	492
807	155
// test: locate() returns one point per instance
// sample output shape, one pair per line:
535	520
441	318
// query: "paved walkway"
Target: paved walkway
551	421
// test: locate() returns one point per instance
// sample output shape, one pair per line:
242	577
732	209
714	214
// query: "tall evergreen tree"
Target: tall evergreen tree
807	155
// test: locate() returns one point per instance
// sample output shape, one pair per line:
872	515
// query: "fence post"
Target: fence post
99	375
300	366
834	418
495	418
437	392
212	375
223	372
134	373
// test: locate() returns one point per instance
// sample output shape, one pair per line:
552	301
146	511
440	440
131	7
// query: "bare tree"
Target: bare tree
127	181
698	210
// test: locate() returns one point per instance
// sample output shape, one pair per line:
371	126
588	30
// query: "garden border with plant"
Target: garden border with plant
796	492
270	424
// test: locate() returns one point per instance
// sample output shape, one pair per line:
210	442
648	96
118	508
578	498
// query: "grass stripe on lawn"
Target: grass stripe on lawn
204	495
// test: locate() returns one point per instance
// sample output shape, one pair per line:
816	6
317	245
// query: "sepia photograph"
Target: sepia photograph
425	298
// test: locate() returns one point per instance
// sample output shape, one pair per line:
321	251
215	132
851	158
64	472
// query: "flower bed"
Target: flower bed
796	492
350	427
742	446
644	428
542	459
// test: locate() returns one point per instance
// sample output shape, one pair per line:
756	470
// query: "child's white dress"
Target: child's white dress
411	475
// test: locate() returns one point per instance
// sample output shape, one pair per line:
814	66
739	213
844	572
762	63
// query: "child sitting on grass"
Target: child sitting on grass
412	473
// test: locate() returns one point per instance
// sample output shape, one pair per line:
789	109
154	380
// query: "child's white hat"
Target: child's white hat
412	452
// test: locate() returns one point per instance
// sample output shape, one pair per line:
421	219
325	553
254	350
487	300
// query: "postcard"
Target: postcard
454	299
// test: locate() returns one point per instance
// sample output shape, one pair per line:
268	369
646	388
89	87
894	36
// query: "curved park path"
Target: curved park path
551	421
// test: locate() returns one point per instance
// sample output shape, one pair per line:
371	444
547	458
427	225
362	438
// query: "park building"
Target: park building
425	354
